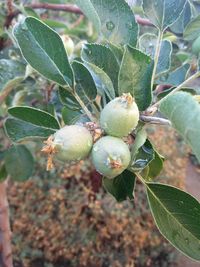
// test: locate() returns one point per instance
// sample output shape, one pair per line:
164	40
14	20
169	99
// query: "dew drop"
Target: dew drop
24	27
110	25
187	241
96	148
180	202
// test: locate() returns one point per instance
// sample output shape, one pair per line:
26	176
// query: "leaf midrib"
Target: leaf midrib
168	212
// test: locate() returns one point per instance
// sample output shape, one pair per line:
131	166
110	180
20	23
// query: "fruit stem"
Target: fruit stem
83	106
154	120
156	56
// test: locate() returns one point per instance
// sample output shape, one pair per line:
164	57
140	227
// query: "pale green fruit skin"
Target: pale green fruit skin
72	143
118	118
196	46
107	148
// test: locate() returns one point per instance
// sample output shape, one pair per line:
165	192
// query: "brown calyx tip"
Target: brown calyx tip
94	129
128	98
50	150
115	164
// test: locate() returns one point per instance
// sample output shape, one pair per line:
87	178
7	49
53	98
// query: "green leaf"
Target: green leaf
184	113
175	77
163	13
88	9
145	154
122	186
102	57
102	81
115	18
185	17
11	74
117	51
19	163
71	116
135	76
148	44
34	116
68	100
155	166
177	215
18	130
139	141
43	49
85	85
3	172
167	91
192	30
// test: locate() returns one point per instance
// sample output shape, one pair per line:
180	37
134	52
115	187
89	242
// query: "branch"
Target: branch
143	22
66	8
154	120
59	7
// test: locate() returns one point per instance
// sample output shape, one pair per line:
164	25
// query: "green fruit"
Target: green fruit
72	143
68	44
120	116
110	156
196	46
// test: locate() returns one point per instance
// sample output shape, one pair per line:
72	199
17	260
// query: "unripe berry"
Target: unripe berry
72	143
110	156
120	116
68	44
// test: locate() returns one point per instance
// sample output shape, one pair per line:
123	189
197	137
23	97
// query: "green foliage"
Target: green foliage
176	214
175	77
102	57
192	30
102	81
120	58
29	123
135	76
19	162
44	51
163	13
115	18
148	44
184	112
12	72
85	86
34	116
122	186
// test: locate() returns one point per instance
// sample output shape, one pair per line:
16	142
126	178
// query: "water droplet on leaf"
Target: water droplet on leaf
187	241
180	202
110	25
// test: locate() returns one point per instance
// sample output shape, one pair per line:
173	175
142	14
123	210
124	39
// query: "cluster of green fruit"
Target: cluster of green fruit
110	154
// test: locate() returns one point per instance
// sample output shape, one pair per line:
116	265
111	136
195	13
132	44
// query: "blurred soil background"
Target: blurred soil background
66	219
